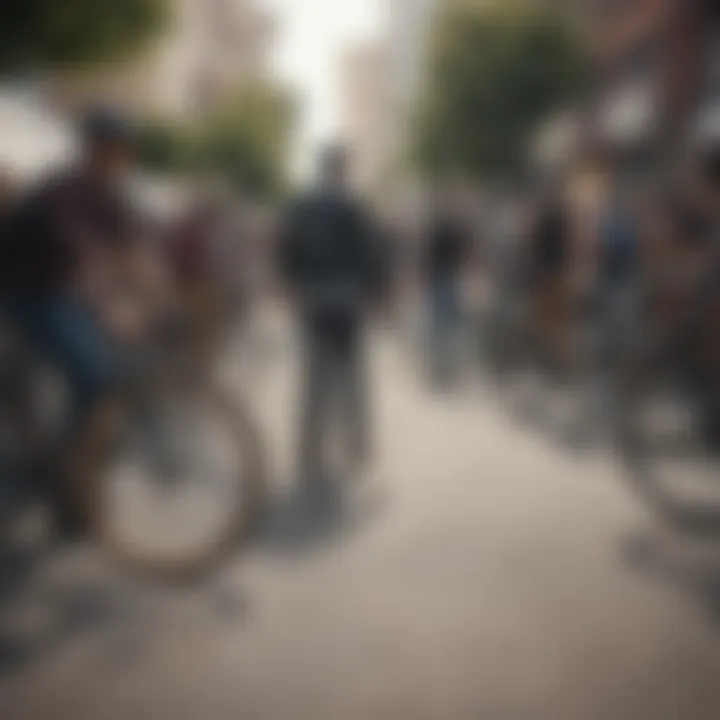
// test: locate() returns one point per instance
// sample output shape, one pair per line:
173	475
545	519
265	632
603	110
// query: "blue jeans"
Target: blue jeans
64	331
444	310
444	321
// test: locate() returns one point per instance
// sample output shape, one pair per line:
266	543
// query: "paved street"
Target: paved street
481	573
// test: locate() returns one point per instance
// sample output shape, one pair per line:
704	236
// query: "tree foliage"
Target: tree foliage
167	146
37	34
494	71
245	140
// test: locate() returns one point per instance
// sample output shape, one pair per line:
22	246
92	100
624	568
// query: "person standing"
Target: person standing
330	266
446	254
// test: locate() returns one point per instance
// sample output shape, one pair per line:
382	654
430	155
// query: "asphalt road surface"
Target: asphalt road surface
480	573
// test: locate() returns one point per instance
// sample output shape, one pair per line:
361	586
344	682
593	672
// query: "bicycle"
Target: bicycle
164	451
667	407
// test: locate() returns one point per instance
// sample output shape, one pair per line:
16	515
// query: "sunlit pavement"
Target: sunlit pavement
479	573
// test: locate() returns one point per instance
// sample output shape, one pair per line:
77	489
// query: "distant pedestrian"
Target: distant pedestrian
330	265
446	254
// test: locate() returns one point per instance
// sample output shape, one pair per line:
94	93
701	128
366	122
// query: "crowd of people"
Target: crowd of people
88	275
91	273
607	250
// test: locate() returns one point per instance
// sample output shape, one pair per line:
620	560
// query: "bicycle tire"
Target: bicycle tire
245	519
634	386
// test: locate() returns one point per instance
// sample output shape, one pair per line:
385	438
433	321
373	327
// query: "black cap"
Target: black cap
106	125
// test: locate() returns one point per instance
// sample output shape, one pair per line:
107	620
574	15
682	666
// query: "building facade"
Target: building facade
380	81
655	61
409	28
364	110
210	48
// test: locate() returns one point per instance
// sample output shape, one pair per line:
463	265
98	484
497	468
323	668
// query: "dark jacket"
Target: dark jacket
329	256
550	239
46	236
447	248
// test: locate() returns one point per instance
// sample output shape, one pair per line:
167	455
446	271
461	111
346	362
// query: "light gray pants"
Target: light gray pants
334	398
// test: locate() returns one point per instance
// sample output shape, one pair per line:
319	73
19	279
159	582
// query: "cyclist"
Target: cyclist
73	260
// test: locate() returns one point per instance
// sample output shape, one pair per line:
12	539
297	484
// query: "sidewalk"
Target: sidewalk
479	574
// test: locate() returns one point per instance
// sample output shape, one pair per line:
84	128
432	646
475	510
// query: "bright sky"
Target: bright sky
312	34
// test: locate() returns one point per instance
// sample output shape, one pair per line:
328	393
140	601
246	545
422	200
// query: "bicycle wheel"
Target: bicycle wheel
181	486
664	440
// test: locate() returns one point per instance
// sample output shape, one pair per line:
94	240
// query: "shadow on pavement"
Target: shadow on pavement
694	572
309	518
41	617
80	602
686	515
16	566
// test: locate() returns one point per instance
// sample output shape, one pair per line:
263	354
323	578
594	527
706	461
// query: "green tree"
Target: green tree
247	139
495	69
168	147
36	34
